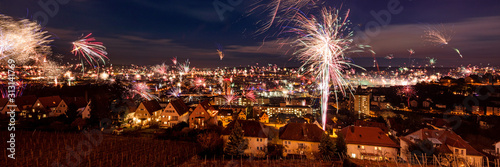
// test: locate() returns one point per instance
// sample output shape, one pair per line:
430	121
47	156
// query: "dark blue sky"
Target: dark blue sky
153	31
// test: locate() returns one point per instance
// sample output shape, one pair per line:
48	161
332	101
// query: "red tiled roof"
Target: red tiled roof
151	106
250	128
179	106
448	138
25	100
301	132
371	124
373	136
50	101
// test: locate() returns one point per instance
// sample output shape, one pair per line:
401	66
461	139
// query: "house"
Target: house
147	111
447	143
369	143
371	124
175	112
301	138
224	117
242	115
6	106
202	115
79	103
48	106
85	111
253	132
264	118
25	105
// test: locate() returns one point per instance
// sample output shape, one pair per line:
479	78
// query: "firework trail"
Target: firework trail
220	51
277	12
323	43
20	87
91	50
439	36
458	51
411	51
22	40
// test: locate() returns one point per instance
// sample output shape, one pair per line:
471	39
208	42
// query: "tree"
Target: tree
210	142
72	112
327	147
340	145
275	151
237	144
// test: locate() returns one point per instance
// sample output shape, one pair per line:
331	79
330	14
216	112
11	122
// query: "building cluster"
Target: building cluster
32	107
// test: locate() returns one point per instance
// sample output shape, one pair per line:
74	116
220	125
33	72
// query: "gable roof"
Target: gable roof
250	128
301	132
448	138
371	124
25	100
151	106
373	136
50	101
179	106
3	102
78	101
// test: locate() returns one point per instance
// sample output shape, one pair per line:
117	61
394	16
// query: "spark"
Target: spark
22	40
91	50
142	90
438	35
277	12
323	43
458	51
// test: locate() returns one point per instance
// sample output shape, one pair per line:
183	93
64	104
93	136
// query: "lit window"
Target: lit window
353	155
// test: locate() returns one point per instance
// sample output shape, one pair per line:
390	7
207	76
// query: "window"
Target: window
353	155
378	148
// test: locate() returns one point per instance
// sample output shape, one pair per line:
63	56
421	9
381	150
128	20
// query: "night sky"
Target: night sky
148	32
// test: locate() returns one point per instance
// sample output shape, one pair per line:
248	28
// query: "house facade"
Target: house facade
147	111
369	143
175	112
301	138
253	132
48	106
202	115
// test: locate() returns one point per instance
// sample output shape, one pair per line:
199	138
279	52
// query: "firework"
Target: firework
142	90
322	45
174	92
220	51
230	99
432	61
199	82
439	36
408	92
160	69
91	50
174	60
250	95
277	11
411	51
389	57
184	67
22	40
